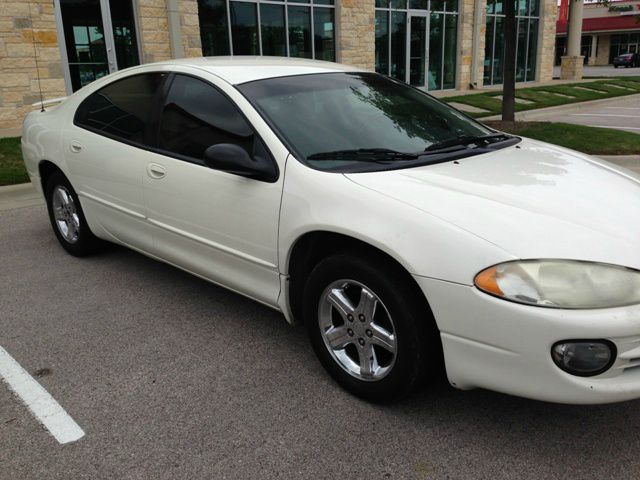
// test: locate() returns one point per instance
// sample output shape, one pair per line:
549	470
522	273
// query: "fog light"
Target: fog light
584	358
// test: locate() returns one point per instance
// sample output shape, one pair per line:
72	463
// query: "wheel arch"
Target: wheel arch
313	246
46	168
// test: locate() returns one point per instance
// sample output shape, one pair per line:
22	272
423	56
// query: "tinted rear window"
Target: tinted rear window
122	109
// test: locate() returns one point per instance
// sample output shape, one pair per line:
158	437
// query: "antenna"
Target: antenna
35	57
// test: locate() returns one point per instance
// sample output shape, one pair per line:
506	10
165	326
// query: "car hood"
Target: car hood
533	200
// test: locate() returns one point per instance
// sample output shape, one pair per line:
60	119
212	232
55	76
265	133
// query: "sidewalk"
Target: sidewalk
24	195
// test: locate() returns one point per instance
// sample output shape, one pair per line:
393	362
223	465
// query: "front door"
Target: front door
99	37
418	46
221	226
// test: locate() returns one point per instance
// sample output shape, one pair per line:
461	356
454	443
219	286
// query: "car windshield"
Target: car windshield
336	119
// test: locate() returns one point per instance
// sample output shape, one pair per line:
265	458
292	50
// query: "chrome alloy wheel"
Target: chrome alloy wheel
357	330
66	214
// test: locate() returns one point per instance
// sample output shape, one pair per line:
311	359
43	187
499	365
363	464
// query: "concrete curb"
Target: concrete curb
18	196
566	108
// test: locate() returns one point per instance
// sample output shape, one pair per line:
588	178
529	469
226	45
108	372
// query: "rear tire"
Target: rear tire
67	218
380	353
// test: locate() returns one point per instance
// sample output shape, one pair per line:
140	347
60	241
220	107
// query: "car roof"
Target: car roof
240	69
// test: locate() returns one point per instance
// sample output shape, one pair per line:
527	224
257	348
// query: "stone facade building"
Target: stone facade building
608	30
60	45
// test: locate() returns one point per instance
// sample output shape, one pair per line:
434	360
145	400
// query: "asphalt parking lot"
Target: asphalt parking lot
622	113
173	378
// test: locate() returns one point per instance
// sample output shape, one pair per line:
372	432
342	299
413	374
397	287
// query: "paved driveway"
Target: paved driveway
622	113
173	378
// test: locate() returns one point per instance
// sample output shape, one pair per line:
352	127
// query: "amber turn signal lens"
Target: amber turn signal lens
486	280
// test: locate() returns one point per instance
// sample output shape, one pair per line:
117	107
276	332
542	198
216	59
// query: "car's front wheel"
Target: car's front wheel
369	326
67	218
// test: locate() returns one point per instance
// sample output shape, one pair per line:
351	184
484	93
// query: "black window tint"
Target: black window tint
196	115
122	109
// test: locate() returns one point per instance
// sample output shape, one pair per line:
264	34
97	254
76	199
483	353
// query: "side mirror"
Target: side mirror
234	159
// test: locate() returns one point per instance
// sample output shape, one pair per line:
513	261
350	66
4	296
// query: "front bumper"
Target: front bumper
503	346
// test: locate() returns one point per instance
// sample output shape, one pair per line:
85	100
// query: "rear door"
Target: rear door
215	224
107	152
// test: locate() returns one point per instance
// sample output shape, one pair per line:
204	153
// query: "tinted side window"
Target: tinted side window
196	115
122	109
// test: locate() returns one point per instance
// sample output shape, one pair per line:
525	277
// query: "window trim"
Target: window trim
153	130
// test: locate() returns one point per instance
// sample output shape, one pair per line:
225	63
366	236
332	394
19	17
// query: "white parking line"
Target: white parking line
43	406
624	108
601	115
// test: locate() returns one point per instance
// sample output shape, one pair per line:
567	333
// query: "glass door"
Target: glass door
99	37
418	46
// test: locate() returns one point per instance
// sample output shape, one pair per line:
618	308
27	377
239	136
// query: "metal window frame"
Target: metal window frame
528	17
422	12
107	26
285	4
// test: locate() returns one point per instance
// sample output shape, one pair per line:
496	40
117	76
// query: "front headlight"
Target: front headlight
562	283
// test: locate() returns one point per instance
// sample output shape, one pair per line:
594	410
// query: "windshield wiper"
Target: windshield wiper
465	140
364	155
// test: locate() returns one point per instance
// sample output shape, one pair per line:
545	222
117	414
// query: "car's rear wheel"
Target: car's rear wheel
67	218
369	327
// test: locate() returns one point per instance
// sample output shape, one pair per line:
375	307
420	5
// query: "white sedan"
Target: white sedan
408	237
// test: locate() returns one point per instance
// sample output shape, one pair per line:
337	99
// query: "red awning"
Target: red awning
623	22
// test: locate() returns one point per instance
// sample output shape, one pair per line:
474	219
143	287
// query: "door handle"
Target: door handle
156	171
75	146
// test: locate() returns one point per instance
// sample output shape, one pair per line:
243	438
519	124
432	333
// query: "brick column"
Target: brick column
22	24
355	43
573	63
154	31
190	27
604	45
547	40
466	31
572	68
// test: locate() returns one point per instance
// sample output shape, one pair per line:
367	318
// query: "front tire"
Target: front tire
370	327
67	218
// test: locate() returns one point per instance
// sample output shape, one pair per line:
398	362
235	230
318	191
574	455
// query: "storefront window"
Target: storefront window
90	54
214	26
424	56
527	21
324	41
382	41
624	43
305	29
274	36
244	28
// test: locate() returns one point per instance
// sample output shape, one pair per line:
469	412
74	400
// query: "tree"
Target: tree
509	72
